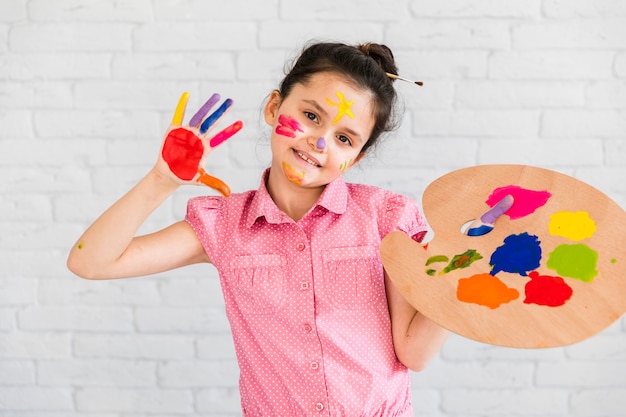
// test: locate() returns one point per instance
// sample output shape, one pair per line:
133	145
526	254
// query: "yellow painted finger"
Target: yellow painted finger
179	113
215	183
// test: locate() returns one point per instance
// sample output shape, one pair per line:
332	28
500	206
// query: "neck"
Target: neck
292	199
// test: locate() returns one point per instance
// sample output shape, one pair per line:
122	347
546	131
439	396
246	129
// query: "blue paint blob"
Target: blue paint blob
520	254
214	117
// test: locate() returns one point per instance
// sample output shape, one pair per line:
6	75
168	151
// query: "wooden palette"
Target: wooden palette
550	273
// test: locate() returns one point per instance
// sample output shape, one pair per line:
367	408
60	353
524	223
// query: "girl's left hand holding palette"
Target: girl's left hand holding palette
185	148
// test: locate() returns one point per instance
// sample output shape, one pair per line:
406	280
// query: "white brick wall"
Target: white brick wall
87	87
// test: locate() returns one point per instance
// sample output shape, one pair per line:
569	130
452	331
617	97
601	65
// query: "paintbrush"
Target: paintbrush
486	222
397	77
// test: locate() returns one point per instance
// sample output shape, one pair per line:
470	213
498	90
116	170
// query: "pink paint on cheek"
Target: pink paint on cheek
288	126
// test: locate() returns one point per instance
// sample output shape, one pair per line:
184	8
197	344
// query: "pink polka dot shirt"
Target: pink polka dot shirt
306	300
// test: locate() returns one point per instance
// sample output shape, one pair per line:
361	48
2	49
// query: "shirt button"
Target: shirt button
307	328
314	365
304	286
300	247
319	407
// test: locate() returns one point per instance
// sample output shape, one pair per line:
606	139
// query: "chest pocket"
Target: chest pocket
259	283
354	276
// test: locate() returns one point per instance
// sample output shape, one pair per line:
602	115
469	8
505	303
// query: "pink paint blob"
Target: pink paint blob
525	201
288	126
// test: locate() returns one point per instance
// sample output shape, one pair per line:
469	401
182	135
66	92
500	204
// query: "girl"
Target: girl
318	328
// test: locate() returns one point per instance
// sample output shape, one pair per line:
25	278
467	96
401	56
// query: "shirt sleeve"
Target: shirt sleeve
403	214
203	215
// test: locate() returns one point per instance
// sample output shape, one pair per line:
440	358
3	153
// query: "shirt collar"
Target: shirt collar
334	199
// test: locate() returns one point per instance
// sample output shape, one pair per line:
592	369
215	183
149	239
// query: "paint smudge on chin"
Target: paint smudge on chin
526	201
288	126
546	290
519	254
292	174
485	290
572	225
574	261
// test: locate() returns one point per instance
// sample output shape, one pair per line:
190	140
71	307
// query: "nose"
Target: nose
319	144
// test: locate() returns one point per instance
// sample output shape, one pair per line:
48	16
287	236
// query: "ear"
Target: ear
271	107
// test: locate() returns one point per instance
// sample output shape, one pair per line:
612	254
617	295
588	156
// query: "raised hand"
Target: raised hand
185	148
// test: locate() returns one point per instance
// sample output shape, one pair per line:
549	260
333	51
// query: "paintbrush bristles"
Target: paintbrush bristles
397	77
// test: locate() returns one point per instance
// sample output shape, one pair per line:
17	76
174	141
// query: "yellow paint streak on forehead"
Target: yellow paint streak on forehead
343	107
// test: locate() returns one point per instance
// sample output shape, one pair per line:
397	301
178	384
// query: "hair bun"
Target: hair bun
381	54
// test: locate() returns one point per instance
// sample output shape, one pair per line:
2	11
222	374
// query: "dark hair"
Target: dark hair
365	65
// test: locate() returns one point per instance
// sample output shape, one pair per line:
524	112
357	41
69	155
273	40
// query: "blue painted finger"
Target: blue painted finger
214	117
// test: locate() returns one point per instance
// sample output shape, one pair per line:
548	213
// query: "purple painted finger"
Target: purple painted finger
206	107
214	117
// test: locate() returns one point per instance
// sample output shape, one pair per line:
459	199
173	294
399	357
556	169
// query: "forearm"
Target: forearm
106	240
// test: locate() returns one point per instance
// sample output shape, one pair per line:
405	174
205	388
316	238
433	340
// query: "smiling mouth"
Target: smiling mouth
307	159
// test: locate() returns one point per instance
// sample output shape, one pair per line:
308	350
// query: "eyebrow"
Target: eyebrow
325	113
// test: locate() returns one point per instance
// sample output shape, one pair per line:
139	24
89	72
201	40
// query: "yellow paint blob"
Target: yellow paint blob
292	174
572	225
485	290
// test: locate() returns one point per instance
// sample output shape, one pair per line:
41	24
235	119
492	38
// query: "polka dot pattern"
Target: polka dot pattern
306	300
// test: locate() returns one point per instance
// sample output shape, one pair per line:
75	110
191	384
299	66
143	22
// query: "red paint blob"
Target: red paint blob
548	291
183	150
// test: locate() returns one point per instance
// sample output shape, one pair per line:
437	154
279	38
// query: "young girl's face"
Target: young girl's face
319	129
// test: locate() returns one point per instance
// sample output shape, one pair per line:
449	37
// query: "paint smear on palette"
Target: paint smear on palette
574	261
288	126
546	290
485	290
292	174
462	261
519	254
572	225
525	201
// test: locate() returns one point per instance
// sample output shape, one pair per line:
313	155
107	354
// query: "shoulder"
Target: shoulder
215	206
377	197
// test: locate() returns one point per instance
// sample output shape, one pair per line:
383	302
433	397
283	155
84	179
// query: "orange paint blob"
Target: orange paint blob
485	290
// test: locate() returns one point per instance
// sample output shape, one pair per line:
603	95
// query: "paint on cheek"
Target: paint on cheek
345	165
545	290
485	290
525	201
183	150
288	126
572	225
574	261
519	254
292	174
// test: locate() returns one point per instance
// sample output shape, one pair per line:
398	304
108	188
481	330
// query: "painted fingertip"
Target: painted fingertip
214	117
206	107
179	113
226	134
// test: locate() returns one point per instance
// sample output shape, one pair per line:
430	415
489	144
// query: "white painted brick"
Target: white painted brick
496	402
561	152
606	33
4	43
598	403
56	66
216	347
50	262
434	95
96	372
601	347
520	94
235	10
51	152
16	123
35	95
609	94
198	373
328	10
620	65
37	236
259	65
292	36
583	123
25	207
462	63
78	292
92	11
17	290
71	37
181	320
12	10
191	292
616	152
219	400
426	402
7	321
69	318
450	34
144	95
567	9
194	36
459	348
475	375
582	373
134	346
559	65
17	373
477	9
36	399
174	66
126	400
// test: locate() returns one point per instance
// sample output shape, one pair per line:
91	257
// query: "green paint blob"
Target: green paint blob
574	261
436	258
462	261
